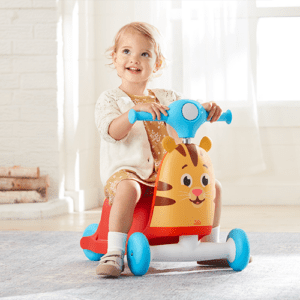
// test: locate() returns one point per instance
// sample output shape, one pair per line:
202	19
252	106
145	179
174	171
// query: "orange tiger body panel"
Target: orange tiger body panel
185	189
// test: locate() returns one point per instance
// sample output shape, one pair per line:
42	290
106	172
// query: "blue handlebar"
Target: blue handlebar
185	116
134	116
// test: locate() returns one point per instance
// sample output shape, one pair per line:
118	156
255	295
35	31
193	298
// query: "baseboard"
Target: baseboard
261	194
85	199
25	211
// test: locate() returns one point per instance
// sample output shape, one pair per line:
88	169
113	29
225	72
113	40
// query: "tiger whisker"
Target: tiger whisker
184	199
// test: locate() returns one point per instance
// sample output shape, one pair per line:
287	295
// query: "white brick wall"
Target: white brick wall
28	88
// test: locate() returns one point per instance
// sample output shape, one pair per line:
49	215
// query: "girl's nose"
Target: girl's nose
197	192
135	60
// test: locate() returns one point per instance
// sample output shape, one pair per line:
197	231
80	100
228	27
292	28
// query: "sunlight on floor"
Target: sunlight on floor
249	218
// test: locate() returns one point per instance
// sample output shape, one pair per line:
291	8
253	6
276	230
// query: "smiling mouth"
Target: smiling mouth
197	201
134	70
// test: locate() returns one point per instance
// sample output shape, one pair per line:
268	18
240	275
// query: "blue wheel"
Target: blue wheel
242	246
138	254
90	230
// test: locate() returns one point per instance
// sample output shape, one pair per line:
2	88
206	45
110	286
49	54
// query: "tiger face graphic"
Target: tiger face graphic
185	187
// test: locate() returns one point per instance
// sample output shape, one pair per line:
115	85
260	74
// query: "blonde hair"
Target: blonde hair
150	32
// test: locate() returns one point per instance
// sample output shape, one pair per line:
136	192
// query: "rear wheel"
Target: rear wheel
242	246
90	230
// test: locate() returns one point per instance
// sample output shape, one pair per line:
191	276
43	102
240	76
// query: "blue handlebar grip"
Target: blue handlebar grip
134	116
226	116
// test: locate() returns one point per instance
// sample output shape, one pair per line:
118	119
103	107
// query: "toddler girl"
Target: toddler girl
131	154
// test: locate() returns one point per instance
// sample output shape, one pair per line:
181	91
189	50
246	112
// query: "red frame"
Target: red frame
141	223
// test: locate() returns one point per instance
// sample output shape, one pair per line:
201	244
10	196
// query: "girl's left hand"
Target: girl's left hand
214	110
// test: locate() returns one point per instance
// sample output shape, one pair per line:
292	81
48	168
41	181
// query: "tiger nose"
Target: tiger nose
197	192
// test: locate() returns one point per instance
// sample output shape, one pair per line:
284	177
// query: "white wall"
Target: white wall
29	116
35	116
279	184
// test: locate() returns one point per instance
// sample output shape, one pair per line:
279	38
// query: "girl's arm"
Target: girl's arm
121	126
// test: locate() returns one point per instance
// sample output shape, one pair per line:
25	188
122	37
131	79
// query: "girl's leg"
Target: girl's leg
218	205
121	214
120	220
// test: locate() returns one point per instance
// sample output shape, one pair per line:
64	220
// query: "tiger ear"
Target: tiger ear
169	144
206	143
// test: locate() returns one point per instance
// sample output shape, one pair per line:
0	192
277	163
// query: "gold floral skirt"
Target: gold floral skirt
110	188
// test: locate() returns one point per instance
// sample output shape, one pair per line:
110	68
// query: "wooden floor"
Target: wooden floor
249	218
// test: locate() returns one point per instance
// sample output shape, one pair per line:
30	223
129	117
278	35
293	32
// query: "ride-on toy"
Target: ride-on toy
169	224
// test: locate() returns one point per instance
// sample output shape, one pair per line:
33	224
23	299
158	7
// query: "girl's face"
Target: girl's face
135	59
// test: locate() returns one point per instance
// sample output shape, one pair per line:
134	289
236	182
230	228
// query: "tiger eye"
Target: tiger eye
205	181
186	181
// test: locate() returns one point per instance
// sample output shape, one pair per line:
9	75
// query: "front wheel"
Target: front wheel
242	245
138	254
90	230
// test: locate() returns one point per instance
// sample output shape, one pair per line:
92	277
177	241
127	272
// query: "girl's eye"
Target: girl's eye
145	54
126	51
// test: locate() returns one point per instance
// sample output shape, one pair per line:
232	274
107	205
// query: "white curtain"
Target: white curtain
218	66
208	46
76	66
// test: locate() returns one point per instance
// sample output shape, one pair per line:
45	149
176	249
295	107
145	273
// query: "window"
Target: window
278	48
277	3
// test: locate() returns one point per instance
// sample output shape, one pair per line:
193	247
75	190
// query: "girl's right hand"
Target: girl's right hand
155	109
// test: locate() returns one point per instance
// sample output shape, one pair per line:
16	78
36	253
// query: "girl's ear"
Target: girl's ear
158	65
114	57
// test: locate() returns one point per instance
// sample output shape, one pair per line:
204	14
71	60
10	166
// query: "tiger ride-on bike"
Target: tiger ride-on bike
169	224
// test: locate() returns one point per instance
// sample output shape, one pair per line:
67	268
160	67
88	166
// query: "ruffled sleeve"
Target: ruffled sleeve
177	95
166	97
106	110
